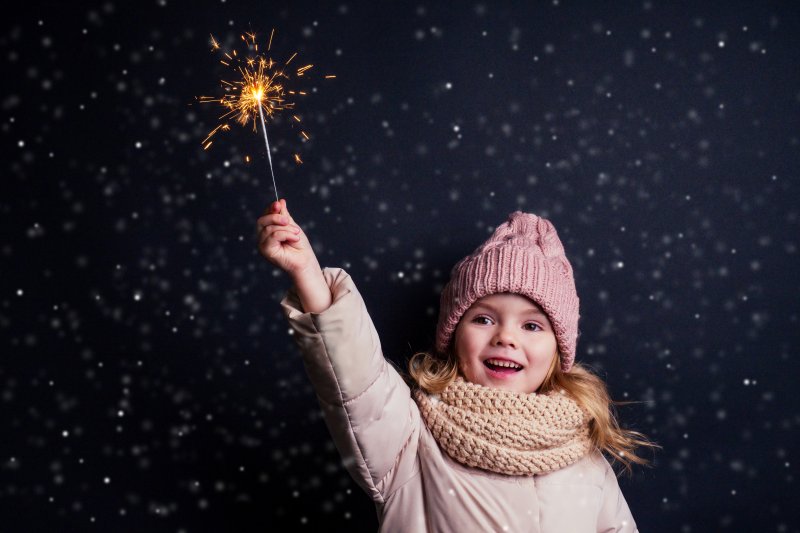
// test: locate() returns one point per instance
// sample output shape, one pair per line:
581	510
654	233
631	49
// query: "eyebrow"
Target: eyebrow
530	310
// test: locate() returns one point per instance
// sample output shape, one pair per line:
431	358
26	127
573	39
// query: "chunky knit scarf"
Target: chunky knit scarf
506	432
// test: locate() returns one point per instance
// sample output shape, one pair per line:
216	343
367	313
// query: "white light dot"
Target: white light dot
138	144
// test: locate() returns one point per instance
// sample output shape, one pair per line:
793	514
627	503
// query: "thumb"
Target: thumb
284	210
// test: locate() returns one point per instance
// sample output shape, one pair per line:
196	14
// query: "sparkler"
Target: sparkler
258	91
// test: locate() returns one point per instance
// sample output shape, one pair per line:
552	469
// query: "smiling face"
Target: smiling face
505	341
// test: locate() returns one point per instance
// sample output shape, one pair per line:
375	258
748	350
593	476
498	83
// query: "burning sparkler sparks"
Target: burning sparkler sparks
257	93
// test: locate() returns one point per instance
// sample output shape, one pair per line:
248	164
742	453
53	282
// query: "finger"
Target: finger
285	210
273	207
270	230
279	236
273	218
264	223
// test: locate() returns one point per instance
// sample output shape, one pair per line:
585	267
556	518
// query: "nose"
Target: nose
504	337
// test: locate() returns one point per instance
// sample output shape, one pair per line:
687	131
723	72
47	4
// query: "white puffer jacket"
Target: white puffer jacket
389	451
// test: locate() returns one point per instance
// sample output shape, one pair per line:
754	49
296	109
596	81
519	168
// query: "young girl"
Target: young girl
502	430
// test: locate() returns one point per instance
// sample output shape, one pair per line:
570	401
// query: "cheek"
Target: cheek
465	354
548	358
470	370
468	347
545	353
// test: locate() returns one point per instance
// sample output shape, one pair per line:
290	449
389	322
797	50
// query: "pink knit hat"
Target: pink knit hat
523	256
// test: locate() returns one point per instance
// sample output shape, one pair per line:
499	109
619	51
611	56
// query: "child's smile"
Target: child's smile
501	366
505	341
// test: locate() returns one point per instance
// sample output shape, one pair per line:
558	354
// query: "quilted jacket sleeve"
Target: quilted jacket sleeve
366	404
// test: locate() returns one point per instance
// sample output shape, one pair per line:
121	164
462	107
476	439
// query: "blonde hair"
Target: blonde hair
434	372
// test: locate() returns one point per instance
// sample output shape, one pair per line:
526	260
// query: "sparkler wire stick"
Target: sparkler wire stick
269	155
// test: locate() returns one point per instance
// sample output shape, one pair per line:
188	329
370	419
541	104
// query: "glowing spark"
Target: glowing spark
257	91
297	159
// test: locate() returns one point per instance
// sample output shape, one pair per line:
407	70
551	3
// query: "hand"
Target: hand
285	245
282	241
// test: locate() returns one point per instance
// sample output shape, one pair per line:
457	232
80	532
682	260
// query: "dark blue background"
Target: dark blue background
147	378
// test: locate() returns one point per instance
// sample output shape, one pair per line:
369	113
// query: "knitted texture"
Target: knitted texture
503	431
523	256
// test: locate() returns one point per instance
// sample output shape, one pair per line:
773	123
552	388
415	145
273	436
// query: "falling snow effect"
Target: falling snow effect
148	380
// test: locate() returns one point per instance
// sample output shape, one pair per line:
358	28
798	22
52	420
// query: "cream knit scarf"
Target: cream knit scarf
506	432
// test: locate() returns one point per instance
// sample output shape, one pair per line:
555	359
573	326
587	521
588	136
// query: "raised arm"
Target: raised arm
366	404
285	245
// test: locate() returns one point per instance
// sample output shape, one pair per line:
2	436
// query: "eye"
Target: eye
532	326
481	319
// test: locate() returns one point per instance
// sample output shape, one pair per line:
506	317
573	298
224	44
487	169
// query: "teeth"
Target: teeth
507	364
